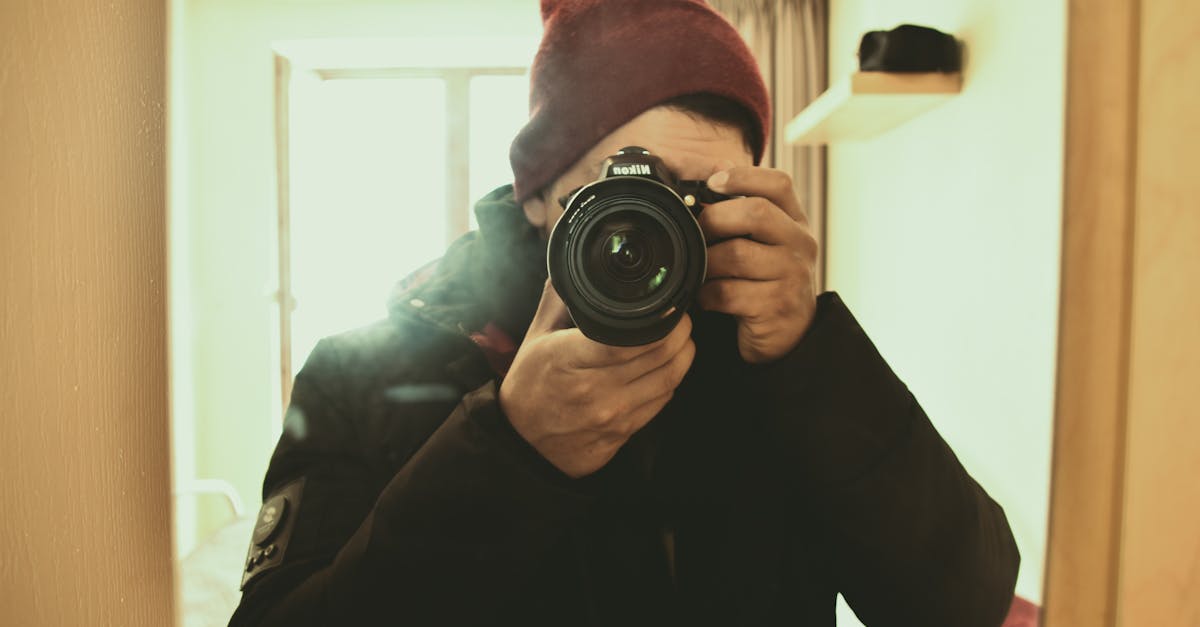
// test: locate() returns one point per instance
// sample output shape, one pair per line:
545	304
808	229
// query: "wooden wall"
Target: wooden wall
1159	581
1125	514
84	466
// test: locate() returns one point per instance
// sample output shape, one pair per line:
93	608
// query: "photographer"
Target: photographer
477	458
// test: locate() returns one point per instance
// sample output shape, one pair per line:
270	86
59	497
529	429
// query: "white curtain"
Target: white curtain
789	40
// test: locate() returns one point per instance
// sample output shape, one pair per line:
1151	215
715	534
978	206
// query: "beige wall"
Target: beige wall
1159	580
1126	507
943	237
84	505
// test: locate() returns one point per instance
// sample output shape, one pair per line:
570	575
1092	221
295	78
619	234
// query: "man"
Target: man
744	469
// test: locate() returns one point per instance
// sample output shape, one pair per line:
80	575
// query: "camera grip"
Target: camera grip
702	194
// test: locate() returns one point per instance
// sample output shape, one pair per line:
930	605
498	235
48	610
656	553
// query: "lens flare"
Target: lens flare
617	241
657	279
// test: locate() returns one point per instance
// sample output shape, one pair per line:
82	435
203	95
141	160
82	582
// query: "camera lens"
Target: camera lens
628	256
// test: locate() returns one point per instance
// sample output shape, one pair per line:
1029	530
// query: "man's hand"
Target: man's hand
762	260
576	400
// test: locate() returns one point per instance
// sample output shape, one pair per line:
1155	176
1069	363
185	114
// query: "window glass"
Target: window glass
368	204
499	108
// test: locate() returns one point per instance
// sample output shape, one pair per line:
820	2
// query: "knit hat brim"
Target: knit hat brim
602	63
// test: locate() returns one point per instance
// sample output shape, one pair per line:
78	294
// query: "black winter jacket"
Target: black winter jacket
757	495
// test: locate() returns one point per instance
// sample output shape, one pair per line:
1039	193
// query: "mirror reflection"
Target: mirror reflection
598	331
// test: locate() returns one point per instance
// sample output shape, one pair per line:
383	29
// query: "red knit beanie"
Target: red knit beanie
602	63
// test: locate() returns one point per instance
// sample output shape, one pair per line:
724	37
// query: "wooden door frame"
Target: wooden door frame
1086	497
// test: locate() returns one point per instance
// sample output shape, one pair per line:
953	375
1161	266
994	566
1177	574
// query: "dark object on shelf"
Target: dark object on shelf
909	48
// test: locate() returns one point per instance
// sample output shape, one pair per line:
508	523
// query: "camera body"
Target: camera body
628	256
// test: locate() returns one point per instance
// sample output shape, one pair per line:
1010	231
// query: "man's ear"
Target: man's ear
536	210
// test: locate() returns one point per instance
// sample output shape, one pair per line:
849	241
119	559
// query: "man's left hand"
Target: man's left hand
762	259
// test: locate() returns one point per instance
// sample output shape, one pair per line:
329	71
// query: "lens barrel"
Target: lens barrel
627	257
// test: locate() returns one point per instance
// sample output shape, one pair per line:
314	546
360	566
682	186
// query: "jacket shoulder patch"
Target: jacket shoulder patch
272	531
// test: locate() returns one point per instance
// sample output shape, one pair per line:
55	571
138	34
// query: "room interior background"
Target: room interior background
86	334
942	235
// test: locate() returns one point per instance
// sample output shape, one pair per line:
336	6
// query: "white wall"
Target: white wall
943	237
225	349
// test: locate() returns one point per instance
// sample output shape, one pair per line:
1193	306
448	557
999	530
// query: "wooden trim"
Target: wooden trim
414	72
458	153
284	296
1093	361
1159	579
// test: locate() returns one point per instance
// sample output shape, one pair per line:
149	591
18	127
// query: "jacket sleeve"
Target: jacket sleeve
915	540
467	516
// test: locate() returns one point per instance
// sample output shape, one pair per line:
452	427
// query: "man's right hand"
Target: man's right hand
576	400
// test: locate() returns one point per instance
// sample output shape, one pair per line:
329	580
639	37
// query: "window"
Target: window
382	169
498	109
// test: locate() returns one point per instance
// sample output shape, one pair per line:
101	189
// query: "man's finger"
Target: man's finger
587	353
551	314
630	361
665	349
737	297
639	416
753	216
741	258
665	377
774	185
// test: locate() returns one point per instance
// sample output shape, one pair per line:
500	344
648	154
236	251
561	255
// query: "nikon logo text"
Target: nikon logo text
631	170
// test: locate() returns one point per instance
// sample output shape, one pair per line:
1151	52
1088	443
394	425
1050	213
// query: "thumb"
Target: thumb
551	314
721	166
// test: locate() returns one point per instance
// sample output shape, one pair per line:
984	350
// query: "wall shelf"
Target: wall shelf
869	103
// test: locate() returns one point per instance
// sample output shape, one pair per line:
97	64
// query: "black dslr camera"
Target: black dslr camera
627	257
